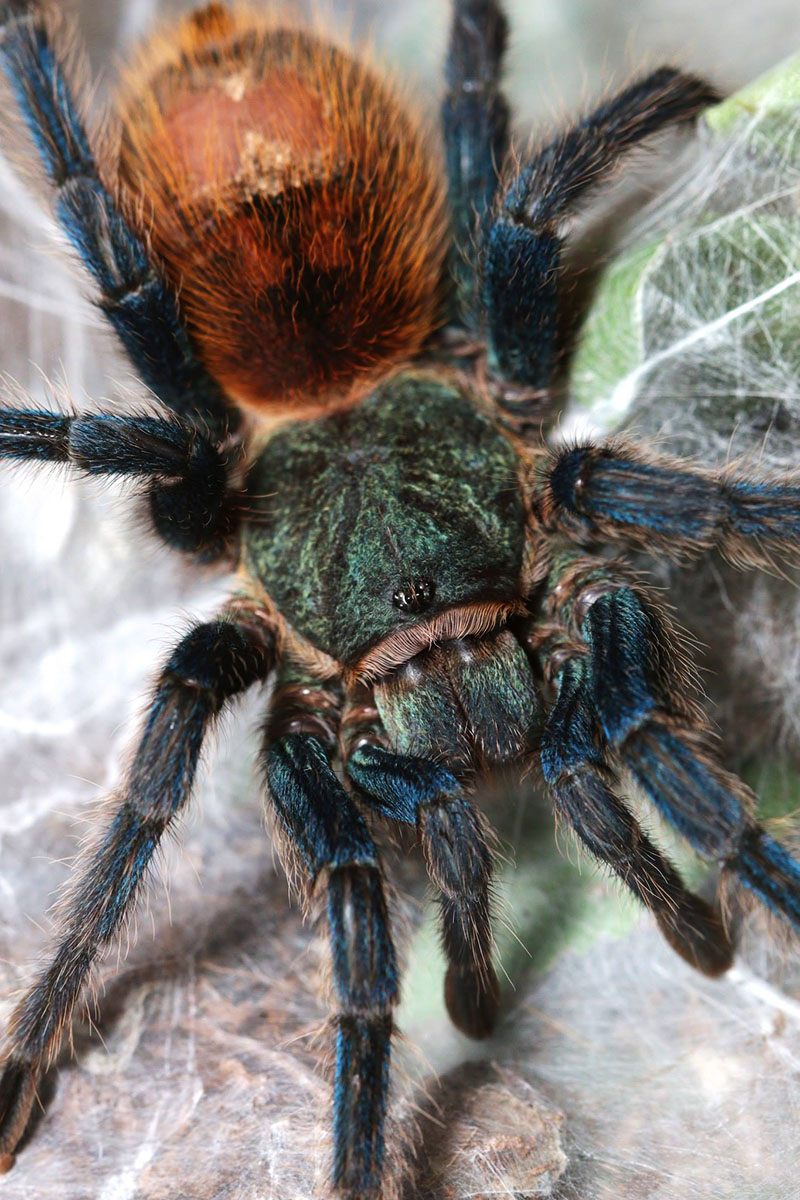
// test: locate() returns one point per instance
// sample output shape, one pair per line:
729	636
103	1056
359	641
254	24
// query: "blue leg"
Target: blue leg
210	665
523	242
475	126
711	809
326	835
133	295
634	690
453	842
582	786
189	495
621	494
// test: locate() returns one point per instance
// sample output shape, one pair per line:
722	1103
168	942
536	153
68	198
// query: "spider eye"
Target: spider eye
414	596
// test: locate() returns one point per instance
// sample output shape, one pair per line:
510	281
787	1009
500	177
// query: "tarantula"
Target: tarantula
351	345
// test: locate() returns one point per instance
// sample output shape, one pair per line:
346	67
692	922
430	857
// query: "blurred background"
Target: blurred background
616	1072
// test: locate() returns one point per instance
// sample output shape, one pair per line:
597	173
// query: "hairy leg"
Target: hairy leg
638	692
452	836
582	785
467	705
325	835
475	124
622	494
524	240
134	296
190	500
210	665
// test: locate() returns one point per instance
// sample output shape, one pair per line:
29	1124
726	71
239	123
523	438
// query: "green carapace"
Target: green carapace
410	502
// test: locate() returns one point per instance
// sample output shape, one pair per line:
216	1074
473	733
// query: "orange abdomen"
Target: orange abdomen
296	206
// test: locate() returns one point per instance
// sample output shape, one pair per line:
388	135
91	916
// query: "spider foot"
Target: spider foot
696	932
362	1077
472	999
17	1094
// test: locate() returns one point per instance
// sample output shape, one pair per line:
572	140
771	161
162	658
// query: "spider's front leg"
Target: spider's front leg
212	663
618	493
636	693
466	704
452	835
325	835
583	787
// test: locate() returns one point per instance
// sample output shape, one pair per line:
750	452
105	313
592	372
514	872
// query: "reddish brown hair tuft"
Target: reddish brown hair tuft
294	202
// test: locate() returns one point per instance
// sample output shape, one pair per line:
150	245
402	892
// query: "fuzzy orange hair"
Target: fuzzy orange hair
296	205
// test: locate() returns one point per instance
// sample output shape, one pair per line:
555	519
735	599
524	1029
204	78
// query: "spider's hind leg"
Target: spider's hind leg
134	295
524	239
475	127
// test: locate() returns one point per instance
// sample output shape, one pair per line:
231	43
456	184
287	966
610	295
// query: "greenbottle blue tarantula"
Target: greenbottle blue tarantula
351	347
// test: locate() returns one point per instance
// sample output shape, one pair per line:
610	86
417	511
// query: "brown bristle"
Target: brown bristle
468	620
295	204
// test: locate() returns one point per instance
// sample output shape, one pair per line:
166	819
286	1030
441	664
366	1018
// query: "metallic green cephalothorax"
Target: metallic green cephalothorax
355	510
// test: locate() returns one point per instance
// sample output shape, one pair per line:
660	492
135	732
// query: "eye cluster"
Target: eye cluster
414	596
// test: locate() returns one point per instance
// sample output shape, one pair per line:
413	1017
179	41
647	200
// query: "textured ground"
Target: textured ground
616	1072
